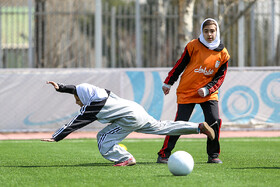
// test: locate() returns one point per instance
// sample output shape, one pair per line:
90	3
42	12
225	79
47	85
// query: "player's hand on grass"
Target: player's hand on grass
48	140
55	85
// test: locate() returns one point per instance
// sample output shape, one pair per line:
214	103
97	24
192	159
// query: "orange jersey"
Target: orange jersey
202	68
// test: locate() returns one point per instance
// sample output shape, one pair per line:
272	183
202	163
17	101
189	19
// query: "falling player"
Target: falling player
122	116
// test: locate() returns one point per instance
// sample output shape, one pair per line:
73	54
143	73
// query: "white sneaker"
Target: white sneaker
128	162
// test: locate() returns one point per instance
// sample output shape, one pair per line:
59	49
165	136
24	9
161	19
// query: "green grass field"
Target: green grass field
247	162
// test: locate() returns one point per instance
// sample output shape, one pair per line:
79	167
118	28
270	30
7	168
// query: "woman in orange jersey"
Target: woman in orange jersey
203	66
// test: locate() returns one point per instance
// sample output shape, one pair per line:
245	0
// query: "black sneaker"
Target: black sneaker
162	160
214	160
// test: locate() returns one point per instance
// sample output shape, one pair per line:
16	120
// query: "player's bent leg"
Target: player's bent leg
211	114
108	139
168	146
213	147
176	128
169	128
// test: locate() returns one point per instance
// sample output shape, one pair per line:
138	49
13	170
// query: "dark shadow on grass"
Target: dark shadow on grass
258	168
154	163
170	175
76	165
82	165
201	163
148	163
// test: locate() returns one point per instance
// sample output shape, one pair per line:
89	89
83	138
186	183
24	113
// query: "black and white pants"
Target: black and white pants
109	137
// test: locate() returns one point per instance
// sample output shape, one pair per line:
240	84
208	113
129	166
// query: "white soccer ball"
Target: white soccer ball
180	163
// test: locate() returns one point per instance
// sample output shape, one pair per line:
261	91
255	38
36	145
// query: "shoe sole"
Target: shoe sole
162	162
129	163
207	128
213	162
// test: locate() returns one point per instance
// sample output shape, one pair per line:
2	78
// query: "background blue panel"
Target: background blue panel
271	97
154	103
244	105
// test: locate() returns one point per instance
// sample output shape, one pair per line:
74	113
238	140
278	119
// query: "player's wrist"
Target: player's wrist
205	91
167	85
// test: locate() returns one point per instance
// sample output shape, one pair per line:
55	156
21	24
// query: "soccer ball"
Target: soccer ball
180	163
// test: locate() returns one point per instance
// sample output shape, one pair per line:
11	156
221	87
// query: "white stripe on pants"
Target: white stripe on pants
108	139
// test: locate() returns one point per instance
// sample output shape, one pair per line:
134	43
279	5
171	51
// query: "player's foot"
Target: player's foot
214	160
162	160
206	129
128	162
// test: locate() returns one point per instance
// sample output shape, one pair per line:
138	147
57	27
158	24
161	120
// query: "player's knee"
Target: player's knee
102	149
98	136
100	143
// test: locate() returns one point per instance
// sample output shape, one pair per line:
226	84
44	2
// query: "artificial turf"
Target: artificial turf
77	162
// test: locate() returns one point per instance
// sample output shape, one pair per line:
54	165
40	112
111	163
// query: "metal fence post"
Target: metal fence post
272	43
30	41
278	39
1	50
216	9
241	33
113	37
98	34
252	31
138	35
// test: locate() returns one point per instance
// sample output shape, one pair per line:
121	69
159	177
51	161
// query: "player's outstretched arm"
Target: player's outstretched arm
48	140
55	85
